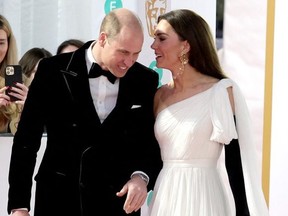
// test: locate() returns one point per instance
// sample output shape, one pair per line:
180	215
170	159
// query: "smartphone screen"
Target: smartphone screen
13	74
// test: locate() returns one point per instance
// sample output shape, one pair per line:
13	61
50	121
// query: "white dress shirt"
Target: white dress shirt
103	92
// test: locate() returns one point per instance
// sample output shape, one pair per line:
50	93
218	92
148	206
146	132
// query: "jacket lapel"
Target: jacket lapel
75	75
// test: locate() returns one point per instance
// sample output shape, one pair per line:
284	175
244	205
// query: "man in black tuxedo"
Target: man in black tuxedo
101	155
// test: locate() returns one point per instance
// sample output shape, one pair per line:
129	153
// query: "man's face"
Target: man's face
154	8
121	52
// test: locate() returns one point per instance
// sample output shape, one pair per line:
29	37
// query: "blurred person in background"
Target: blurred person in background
9	111
69	46
30	60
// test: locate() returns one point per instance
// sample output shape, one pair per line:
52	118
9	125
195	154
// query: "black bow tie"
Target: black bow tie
97	71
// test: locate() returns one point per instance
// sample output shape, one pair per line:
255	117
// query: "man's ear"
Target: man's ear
102	39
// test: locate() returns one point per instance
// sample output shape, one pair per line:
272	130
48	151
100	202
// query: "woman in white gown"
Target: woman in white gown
198	116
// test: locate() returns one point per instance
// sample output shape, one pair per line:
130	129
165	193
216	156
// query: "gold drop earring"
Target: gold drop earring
184	60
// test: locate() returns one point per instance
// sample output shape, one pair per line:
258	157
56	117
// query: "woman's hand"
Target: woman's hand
20	92
4	99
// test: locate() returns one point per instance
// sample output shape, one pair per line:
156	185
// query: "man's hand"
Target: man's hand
136	191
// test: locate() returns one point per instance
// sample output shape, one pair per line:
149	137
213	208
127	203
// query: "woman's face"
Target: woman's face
3	44
167	46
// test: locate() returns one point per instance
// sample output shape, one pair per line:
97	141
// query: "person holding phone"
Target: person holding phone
9	111
97	106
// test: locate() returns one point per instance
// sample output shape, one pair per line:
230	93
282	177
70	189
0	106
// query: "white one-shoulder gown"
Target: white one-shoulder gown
191	134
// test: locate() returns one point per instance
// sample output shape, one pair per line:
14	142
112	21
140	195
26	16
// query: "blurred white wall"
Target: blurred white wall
279	146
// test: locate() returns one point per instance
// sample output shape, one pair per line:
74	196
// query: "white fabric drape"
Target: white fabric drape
243	56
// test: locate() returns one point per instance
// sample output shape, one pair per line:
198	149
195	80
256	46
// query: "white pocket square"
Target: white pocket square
135	106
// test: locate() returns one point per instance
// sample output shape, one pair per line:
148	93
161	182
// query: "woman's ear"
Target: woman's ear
186	47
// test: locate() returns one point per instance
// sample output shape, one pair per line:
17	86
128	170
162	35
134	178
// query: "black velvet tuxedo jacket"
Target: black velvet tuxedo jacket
85	162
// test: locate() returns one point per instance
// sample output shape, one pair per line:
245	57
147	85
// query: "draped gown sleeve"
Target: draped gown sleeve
224	131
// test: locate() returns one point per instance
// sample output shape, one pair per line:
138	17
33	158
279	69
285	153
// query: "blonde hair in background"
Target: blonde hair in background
11	55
